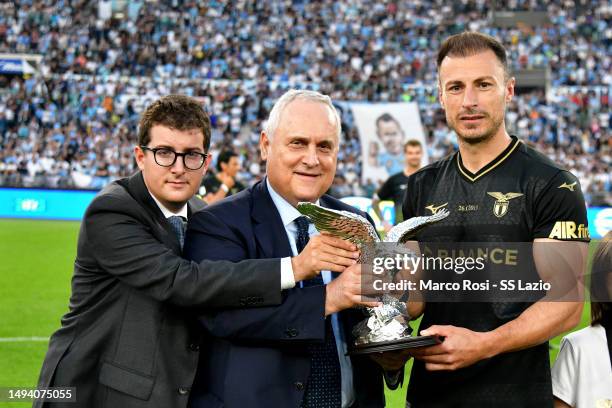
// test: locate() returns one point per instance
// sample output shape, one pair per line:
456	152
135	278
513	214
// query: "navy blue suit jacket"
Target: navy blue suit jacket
258	357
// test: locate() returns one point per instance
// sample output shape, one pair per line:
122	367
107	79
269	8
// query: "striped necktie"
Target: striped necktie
178	225
324	385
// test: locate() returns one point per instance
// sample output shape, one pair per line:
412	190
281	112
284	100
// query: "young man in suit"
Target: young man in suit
129	338
292	355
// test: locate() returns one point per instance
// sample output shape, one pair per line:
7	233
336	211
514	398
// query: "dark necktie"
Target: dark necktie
178	224
324	385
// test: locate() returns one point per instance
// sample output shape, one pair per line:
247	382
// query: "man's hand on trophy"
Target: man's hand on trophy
346	291
461	348
323	253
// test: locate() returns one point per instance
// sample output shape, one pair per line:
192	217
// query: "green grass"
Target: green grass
35	272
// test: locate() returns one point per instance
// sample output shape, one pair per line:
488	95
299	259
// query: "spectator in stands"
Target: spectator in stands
161	49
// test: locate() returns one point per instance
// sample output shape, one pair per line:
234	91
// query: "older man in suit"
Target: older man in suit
292	355
129	338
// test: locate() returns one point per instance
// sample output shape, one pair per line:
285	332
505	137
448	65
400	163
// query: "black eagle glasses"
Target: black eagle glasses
167	157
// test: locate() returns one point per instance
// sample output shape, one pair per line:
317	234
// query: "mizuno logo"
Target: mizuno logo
500	208
570	187
433	209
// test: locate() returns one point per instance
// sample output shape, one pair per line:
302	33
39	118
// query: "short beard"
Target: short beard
477	139
474	140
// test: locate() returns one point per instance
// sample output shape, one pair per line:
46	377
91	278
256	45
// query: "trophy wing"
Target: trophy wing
407	230
343	224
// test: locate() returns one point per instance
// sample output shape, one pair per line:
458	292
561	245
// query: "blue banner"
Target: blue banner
11	66
71	205
44	204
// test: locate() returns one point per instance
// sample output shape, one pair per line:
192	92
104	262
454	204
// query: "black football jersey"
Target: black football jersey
519	196
394	189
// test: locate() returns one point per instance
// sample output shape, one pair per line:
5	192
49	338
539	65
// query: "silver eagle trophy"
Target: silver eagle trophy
389	321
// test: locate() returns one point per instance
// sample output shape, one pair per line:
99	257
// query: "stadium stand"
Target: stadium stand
72	123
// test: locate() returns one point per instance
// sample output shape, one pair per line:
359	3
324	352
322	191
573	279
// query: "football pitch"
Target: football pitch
35	272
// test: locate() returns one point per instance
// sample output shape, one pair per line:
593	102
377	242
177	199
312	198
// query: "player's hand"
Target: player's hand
391	360
460	348
323	253
346	291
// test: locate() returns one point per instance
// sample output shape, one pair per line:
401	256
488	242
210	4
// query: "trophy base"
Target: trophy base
391	345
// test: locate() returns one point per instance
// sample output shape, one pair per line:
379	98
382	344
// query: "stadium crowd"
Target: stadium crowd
74	124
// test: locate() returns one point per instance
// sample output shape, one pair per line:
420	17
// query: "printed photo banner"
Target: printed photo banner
383	130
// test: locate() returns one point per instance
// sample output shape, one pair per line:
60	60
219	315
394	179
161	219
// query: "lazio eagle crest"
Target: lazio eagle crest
500	208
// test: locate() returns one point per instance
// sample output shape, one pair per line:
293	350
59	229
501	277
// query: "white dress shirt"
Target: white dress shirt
288	215
167	213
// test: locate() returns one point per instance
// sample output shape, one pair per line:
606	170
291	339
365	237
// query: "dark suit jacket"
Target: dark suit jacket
259	358
128	339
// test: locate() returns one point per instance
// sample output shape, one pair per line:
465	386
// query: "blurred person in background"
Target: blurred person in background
395	186
222	184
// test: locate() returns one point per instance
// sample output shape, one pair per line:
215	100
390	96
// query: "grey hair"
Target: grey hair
292	95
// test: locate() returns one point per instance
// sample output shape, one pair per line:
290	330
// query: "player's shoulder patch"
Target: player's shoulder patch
566	181
563	182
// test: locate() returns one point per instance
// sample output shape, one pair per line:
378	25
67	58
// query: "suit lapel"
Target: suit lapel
270	232
194	205
327	202
163	230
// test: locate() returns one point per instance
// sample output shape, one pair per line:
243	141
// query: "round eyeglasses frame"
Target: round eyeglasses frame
165	163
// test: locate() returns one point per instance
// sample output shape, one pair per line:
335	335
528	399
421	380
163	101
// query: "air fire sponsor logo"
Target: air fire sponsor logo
435	209
500	208
569	230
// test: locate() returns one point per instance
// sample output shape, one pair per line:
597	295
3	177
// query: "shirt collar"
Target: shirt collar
288	213
167	213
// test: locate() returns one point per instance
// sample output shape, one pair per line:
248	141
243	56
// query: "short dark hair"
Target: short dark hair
178	112
468	43
412	143
601	274
385	117
224	157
